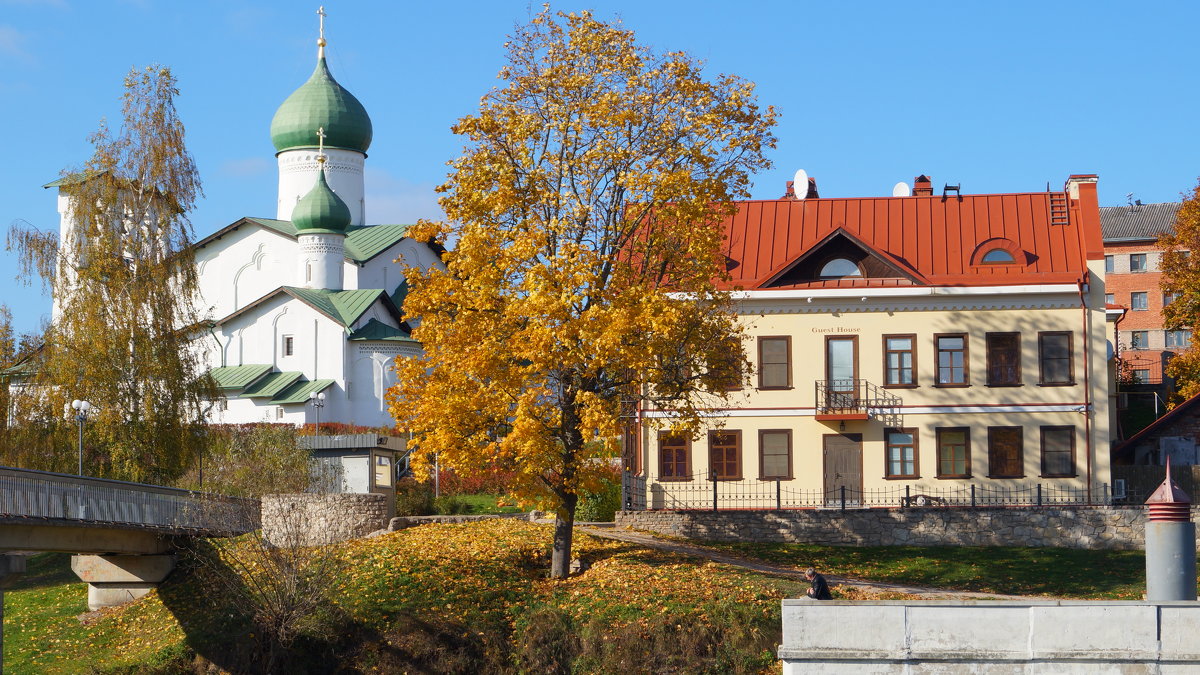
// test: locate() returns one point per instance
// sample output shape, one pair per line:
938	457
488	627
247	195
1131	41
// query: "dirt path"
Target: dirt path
651	541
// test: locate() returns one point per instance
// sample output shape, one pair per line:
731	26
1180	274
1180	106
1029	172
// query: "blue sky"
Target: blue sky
1000	97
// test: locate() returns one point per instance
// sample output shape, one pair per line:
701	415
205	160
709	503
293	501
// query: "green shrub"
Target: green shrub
600	506
450	505
413	498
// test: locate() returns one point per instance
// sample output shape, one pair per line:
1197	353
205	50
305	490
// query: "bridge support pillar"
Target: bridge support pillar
11	567
118	579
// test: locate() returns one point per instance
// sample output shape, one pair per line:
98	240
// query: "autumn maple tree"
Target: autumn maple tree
1181	275
124	286
587	257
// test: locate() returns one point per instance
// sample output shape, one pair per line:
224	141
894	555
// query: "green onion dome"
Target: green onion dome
321	210
321	102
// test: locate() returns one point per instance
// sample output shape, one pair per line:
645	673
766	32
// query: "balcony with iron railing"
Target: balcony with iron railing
845	400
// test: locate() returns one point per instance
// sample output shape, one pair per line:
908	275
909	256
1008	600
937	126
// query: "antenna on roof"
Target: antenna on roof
1129	200
800	184
901	189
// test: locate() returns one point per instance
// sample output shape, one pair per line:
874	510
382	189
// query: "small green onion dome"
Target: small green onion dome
321	102
321	210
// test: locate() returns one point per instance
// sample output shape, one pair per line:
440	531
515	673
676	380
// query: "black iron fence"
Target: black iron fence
700	491
44	495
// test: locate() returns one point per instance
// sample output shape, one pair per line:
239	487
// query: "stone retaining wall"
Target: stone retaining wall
317	519
1068	527
405	522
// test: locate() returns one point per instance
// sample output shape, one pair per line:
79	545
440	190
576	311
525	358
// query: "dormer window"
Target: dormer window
998	251
840	268
998	256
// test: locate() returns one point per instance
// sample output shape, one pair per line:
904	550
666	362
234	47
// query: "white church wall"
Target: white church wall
343	171
384	272
243	266
258	337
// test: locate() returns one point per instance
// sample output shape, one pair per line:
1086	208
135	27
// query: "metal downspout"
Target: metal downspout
1087	383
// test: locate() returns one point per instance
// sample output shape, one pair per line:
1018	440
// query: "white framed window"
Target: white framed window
1139	301
840	268
1137	262
1139	339
278	412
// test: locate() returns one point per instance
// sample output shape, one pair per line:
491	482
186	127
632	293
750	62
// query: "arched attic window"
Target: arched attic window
997	251
998	256
840	268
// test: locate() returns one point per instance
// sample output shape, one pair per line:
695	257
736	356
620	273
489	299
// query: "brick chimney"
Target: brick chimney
812	189
922	186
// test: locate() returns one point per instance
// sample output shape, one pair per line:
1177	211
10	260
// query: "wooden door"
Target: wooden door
843	467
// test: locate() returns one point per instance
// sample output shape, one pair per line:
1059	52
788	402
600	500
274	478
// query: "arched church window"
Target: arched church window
840	268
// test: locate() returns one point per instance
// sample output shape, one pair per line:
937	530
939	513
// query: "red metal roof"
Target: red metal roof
921	240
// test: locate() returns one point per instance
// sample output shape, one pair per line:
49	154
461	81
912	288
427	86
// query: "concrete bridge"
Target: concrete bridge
124	534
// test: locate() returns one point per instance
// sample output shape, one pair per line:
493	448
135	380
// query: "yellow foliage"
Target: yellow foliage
585	214
1181	274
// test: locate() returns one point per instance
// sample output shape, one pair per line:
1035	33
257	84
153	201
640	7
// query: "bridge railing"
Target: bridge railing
41	494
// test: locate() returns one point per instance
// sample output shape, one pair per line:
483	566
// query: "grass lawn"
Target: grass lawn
474	598
485	504
1057	572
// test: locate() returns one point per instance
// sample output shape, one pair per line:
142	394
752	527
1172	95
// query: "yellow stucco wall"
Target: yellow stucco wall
925	407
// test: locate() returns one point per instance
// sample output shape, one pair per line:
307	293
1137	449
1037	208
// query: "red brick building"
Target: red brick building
1132	280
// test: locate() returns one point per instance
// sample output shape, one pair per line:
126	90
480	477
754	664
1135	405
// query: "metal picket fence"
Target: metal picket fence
700	491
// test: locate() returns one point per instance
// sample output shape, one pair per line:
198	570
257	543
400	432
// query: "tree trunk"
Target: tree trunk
564	530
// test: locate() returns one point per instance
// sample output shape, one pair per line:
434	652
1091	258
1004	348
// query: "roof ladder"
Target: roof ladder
1058	209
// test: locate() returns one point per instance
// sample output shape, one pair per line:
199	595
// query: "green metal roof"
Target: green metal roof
73	178
399	295
321	103
342	306
321	210
298	392
280	226
237	377
377	330
271	385
364	243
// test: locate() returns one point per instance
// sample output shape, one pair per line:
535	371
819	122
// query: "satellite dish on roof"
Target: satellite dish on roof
800	184
901	189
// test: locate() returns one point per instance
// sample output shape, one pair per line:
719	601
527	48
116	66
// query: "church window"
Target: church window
308	271
289	345
279	412
840	268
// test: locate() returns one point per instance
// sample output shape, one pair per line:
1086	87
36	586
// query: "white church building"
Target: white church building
304	309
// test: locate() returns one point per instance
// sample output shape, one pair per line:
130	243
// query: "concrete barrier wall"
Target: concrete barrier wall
1069	527
317	519
842	637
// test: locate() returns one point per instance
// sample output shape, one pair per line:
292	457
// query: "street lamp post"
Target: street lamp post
81	408
318	402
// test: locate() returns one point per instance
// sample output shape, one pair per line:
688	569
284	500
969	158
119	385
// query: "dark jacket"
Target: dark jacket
820	588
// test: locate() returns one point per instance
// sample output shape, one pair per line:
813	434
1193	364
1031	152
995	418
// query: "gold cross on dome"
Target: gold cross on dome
321	144
321	34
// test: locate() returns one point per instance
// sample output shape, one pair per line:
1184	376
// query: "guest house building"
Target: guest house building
925	346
